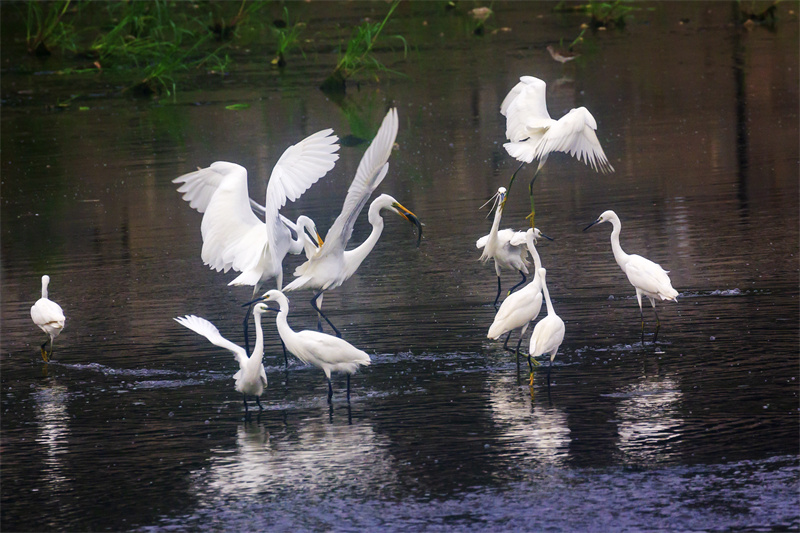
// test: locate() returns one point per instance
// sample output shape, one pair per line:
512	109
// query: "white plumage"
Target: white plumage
548	334
251	379
331	265
324	351
49	317
534	135
647	277
233	236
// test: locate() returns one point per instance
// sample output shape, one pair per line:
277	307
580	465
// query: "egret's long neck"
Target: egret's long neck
547	298
353	258
619	255
532	249
44	289
258	349
284	330
488	249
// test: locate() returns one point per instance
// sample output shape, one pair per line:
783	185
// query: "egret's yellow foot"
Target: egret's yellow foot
44	355
531	381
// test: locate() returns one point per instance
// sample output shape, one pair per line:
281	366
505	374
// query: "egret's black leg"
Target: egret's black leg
505	344
244	325
530	192
514	175
285	357
641	314
330	390
244	401
44	352
348	388
521	273
259	404
519	342
658	325
320	313
496	298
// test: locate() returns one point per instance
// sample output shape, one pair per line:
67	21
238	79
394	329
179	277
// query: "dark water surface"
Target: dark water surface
136	424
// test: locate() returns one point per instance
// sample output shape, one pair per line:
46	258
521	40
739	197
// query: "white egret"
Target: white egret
233	236
534	135
548	334
519	309
49	317
251	378
331	265
647	277
498	245
324	351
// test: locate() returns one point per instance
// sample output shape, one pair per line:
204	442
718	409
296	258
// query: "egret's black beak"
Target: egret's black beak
411	217
592	224
316	239
546	237
251	302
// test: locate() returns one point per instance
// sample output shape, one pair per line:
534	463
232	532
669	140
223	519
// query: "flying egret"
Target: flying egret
331	265
251	378
233	236
647	277
548	334
533	134
49	317
324	351
519	309
506	247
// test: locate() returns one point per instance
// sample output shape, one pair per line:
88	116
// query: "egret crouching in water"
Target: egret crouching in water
251	378
498	245
331	354
49	317
647	277
548	334
534	135
523	306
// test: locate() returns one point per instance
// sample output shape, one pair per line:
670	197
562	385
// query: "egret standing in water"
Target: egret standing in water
331	265
534	135
251	378
233	236
324	351
49	317
548	334
647	277
498	245
522	307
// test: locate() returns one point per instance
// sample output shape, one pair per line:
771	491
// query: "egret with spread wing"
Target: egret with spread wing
332	265
534	135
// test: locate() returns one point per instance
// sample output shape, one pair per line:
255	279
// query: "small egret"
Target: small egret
233	236
251	378
331	265
647	277
533	134
324	351
519	309
49	317
498	245
548	334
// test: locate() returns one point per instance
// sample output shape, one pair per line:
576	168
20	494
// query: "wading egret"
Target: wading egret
647	277
49	317
497	245
251	378
522	307
233	236
331	265
533	134
548	334
324	351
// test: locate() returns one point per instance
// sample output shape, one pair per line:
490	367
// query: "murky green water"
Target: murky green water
136	424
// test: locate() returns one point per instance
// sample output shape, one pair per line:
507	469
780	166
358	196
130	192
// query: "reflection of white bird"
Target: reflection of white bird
251	378
534	135
331	265
647	277
522	307
49	317
324	351
548	334
498	245
233	236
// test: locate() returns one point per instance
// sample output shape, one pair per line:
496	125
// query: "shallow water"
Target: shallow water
136	425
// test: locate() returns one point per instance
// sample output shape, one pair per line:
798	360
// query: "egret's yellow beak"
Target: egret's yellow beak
411	217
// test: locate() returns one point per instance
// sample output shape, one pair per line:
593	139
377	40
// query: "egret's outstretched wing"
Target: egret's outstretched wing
210	332
198	187
575	133
525	109
371	171
300	166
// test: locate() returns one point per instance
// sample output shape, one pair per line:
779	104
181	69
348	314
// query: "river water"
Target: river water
136	425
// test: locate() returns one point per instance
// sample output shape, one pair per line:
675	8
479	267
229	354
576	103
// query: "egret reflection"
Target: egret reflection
53	432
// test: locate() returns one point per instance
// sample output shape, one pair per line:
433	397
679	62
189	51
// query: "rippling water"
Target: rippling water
136	425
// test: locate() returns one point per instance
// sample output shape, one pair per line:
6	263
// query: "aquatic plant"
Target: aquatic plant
358	55
288	37
602	14
45	27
